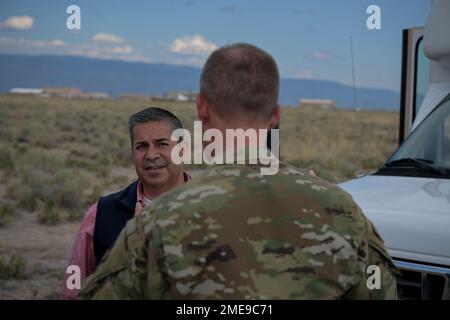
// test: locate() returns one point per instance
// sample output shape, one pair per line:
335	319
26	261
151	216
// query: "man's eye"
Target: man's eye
165	144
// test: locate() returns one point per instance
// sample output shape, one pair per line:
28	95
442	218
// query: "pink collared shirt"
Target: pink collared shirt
82	254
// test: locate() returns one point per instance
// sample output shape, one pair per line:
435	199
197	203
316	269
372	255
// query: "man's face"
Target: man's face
151	153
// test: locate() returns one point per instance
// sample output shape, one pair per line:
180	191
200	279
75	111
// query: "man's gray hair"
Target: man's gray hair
241	78
153	114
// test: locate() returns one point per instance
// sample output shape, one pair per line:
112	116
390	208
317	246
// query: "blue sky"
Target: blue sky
309	39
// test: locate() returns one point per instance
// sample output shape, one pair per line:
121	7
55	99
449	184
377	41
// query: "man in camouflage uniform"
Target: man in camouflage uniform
232	233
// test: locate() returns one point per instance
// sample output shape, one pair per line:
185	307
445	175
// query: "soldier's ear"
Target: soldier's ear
202	108
275	119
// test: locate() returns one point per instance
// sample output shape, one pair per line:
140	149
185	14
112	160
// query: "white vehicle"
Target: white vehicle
408	199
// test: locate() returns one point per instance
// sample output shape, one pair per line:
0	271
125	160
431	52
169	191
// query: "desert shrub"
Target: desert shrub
6	212
77	162
101	166
82	156
44	178
6	159
38	134
12	191
66	121
83	151
12	267
95	194
120	180
50	215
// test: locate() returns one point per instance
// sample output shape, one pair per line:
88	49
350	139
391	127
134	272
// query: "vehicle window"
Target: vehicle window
421	81
431	140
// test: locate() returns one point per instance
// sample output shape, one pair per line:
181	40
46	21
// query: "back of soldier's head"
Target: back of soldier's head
241	80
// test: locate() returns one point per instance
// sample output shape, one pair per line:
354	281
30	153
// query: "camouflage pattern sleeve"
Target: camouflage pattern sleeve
122	275
379	257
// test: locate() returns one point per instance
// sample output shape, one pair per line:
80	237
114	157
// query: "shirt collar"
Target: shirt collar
140	193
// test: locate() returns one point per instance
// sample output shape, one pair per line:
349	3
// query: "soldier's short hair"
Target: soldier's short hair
153	114
241	78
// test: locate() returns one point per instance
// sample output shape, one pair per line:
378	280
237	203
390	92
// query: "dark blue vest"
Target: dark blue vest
113	212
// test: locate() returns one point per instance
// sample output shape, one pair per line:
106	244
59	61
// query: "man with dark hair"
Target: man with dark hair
150	131
236	234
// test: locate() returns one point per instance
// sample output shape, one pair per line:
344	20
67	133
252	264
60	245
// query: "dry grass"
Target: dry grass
12	267
338	144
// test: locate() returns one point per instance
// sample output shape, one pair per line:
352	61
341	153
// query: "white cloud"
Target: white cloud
122	50
195	45
319	55
107	37
125	53
18	23
57	46
18	44
58	43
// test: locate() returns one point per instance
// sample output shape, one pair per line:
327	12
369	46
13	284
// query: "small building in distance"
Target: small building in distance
167	97
126	96
96	95
324	104
142	97
181	96
62	92
27	91
73	92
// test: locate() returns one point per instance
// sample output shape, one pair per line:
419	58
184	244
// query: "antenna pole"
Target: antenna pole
358	125
353	75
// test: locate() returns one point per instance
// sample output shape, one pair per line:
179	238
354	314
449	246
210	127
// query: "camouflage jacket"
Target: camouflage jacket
231	233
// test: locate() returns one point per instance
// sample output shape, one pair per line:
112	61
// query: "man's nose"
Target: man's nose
152	153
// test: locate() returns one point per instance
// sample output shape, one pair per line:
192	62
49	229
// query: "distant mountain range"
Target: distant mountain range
115	77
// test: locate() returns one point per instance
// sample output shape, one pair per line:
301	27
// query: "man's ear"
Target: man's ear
275	119
202	108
